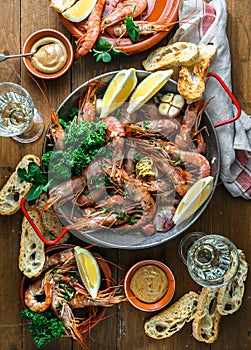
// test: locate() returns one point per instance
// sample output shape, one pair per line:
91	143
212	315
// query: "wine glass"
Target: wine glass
186	242
213	261
19	118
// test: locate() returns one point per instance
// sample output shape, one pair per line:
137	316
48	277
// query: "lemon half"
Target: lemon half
89	270
118	90
80	10
193	199
148	88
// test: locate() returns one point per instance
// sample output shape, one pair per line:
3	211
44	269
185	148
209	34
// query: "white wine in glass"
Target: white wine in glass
213	261
19	118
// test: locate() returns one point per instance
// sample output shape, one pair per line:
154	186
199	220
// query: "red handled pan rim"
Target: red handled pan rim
235	102
36	229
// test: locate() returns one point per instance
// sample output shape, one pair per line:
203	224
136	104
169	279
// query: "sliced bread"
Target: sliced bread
14	189
191	81
172	319
206	322
172	55
52	225
31	255
229	298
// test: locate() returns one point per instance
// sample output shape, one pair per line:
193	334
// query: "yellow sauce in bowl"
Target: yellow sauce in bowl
149	283
50	55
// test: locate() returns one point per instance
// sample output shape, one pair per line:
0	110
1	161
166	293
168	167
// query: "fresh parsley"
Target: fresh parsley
83	142
105	51
36	177
132	29
175	163
44	326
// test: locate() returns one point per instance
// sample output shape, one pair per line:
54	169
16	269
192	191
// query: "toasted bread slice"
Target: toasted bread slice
52	225
31	255
14	189
230	297
61	5
173	55
206	323
191	81
172	319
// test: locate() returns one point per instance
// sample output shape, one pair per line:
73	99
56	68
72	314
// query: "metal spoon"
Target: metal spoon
5	57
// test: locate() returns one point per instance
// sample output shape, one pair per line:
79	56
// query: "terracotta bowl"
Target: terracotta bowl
156	11
106	282
34	37
146	306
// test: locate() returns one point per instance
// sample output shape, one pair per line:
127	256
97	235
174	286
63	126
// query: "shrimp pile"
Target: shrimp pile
59	288
147	165
109	16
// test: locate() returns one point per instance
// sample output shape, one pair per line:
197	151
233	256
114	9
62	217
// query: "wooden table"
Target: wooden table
225	215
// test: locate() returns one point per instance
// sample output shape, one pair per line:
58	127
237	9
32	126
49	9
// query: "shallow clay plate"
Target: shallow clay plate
156	10
106	282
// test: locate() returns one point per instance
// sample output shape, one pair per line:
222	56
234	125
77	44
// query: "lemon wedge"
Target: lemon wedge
193	199
119	89
80	10
89	270
148	88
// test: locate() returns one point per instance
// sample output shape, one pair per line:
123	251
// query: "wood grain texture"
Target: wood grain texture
122	328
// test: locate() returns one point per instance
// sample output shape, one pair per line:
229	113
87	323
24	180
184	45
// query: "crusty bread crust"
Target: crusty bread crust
172	319
173	55
13	191
193	62
229	298
31	255
191	82
61	5
206	323
206	310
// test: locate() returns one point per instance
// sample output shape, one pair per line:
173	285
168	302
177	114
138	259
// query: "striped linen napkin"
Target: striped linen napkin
207	24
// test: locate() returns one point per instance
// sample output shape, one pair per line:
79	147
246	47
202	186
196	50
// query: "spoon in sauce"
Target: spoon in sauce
6	57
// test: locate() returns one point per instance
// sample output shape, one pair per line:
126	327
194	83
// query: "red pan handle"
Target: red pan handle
36	229
235	102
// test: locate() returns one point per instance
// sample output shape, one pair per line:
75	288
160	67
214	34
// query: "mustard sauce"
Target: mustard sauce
50	56
149	283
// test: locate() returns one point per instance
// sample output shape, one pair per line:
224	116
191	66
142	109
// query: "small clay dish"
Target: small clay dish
63	48
149	285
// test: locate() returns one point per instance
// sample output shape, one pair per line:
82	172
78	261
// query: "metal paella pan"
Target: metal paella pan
134	239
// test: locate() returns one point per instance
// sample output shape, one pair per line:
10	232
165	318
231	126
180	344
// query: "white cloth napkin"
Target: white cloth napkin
207	24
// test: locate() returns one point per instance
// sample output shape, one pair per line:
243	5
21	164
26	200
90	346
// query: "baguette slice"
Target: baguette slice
61	5
172	319
50	221
230	297
31	255
206	323
172	55
13	191
191	81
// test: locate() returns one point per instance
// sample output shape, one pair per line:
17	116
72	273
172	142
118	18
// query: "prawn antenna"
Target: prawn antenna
43	90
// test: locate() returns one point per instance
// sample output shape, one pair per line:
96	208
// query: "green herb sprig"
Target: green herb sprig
175	163
36	177
105	51
44	326
132	29
83	141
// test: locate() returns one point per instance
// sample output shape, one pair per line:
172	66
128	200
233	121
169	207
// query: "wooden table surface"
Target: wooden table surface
225	215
